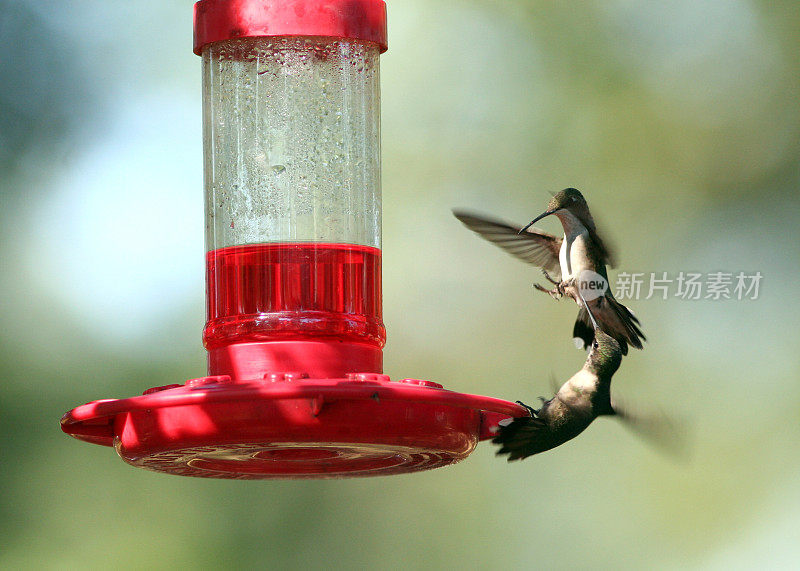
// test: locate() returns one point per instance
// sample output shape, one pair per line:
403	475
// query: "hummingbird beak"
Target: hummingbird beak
535	220
589	311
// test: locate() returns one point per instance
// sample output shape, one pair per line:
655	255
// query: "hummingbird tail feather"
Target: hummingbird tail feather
583	332
627	324
614	319
524	437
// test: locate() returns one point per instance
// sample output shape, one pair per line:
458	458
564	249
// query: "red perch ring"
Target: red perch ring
290	426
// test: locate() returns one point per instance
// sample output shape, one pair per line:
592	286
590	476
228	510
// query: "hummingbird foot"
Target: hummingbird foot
554	293
548	278
561	286
566	287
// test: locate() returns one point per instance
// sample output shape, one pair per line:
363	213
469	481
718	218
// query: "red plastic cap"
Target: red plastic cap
218	20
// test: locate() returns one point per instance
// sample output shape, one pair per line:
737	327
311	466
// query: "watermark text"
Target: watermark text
688	285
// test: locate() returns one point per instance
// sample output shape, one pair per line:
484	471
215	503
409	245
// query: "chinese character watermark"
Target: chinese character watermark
628	286
688	285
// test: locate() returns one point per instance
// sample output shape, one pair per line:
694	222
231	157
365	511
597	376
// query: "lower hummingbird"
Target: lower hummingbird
584	397
580	256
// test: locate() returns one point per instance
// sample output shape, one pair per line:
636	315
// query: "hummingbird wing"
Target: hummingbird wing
532	246
606	254
657	429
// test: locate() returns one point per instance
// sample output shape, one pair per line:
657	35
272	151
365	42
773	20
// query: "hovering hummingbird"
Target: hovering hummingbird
581	257
584	397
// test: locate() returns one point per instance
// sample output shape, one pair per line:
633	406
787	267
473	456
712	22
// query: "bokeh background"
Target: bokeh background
679	121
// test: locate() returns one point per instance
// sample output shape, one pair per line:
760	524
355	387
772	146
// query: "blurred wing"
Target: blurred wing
607	255
658	429
533	246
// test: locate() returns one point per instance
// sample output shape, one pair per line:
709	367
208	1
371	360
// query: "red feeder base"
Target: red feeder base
290	426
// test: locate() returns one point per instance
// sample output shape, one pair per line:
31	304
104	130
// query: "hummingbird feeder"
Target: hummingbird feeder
294	331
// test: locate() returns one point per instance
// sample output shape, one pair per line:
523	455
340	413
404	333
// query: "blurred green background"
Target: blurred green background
679	121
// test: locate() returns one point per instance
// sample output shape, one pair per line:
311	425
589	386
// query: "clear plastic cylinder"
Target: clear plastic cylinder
291	131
